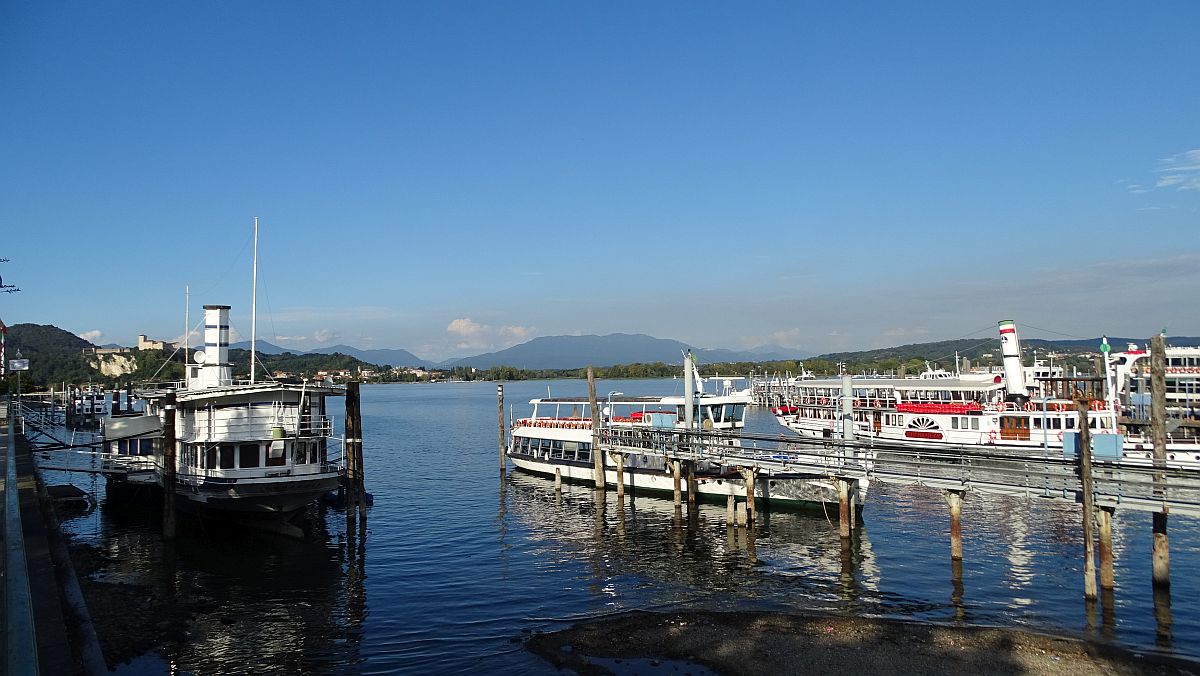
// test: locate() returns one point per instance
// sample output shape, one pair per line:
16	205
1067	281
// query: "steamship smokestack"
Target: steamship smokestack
1014	372
216	371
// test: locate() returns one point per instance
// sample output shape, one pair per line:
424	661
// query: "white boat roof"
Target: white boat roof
673	400
971	384
242	389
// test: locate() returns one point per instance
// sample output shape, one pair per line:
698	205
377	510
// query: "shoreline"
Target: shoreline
746	643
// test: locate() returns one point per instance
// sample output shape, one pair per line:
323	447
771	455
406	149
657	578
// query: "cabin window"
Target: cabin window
248	455
211	458
975	424
227	457
571	450
275	455
954	423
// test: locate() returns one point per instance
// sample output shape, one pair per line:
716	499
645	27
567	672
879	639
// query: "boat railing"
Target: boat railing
259	425
574	423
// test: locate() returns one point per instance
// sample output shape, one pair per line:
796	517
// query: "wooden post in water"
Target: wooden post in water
1104	517
168	442
1089	511
675	472
740	515
1160	552
597	456
749	474
557	479
352	393
353	453
500	425
693	486
954	500
619	459
844	514
729	510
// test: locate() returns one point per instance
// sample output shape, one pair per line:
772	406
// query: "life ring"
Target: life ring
824	401
1098	405
1000	406
992	437
1029	406
878	404
858	403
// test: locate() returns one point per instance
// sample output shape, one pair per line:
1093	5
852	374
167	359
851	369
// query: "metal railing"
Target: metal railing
20	639
1045	475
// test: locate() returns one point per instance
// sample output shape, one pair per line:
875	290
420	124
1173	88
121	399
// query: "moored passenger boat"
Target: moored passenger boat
1009	411
245	449
557	436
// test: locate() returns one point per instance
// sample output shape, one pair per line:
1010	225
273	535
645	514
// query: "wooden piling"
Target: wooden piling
557	479
597	456
168	442
740	515
1160	549
954	501
501	427
1104	526
844	515
1084	451
355	499
619	459
729	510
749	476
675	473
693	486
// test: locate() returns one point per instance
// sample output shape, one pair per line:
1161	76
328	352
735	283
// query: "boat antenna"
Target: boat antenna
254	304
187	330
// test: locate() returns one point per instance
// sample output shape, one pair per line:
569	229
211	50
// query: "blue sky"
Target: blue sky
457	177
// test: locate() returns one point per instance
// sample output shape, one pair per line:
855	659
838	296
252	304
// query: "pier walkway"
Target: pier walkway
45	624
1047	475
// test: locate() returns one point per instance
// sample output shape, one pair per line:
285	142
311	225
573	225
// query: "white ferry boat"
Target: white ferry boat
558	436
245	448
1016	410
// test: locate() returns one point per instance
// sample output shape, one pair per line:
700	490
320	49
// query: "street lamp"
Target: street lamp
608	406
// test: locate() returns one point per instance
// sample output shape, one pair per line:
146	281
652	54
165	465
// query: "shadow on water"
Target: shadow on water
221	598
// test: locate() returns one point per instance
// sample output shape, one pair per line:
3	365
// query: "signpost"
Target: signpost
18	365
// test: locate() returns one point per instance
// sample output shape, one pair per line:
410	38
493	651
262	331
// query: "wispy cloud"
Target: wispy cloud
470	334
92	336
906	332
1180	171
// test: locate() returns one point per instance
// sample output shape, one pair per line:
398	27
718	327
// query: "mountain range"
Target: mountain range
570	352
552	352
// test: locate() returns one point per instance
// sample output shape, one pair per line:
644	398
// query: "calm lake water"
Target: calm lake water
456	565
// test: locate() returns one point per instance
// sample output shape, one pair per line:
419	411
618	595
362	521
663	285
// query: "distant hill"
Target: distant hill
43	339
54	355
263	347
568	352
391	357
974	348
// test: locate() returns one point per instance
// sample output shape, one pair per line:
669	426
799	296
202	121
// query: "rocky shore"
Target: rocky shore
772	643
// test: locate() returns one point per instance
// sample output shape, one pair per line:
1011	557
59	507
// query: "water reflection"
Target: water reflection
697	556
221	599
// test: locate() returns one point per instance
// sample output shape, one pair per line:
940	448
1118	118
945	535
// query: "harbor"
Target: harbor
494	546
607	339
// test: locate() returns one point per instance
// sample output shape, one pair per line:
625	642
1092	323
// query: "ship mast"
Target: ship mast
254	304
187	328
